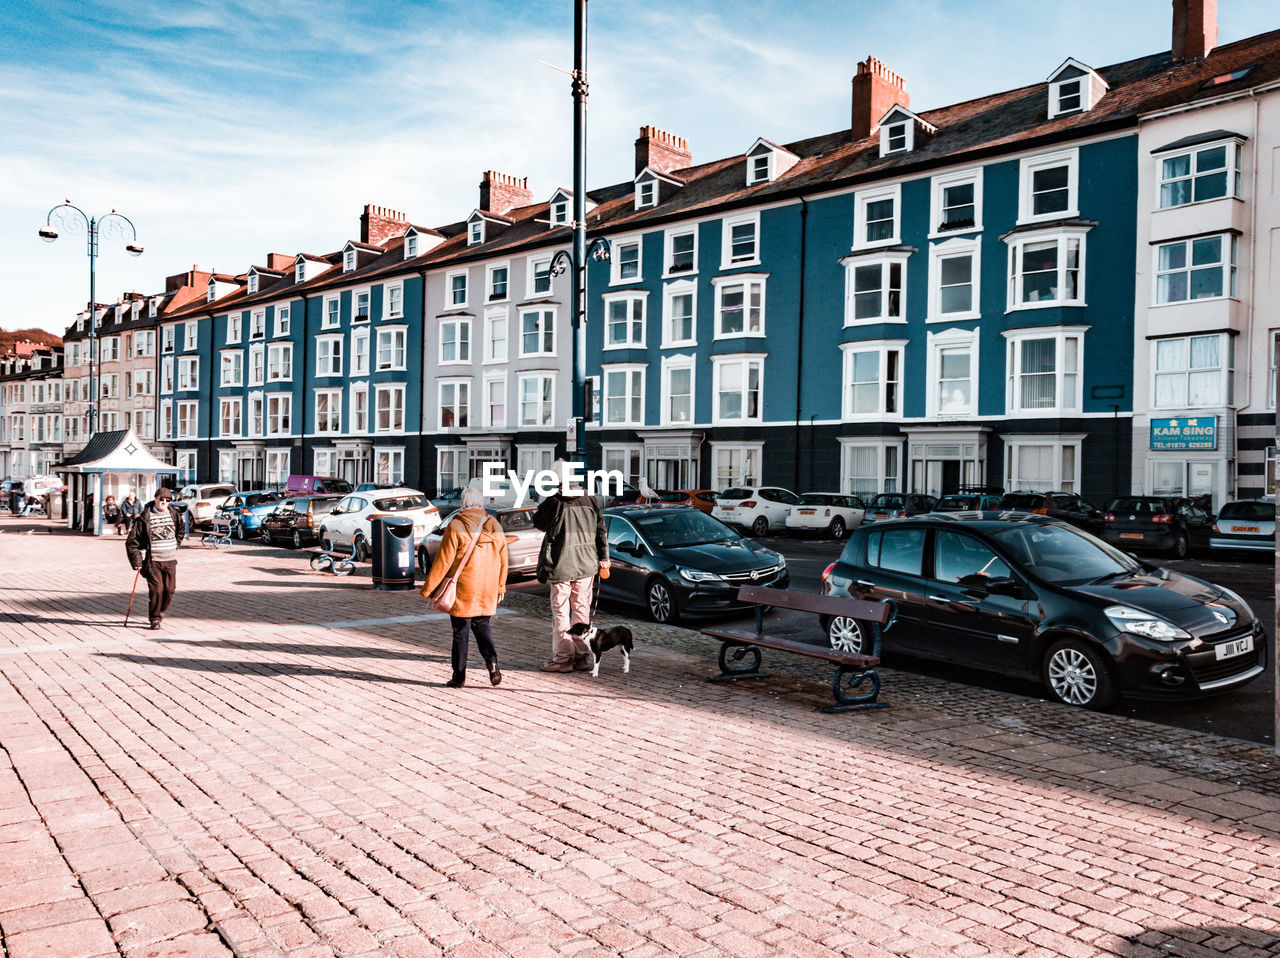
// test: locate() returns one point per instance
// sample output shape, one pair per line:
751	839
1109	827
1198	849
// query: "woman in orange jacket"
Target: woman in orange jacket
482	582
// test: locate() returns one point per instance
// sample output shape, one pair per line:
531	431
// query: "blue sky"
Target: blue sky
227	130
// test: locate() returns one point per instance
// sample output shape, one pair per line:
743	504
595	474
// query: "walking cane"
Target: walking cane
131	594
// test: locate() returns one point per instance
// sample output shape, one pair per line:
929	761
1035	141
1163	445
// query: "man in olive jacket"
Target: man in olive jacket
153	547
574	551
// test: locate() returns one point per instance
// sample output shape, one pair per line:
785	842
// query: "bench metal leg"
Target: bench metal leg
737	652
850	678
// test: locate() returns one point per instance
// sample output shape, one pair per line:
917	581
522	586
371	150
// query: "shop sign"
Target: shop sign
1180	435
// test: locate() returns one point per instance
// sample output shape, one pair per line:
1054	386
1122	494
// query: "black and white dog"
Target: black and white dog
600	641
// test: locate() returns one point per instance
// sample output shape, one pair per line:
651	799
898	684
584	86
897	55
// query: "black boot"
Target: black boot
495	674
457	680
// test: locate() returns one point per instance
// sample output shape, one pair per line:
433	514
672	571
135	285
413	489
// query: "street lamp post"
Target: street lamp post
72	219
599	248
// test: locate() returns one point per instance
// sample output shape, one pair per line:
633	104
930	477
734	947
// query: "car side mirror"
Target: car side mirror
626	548
1004	585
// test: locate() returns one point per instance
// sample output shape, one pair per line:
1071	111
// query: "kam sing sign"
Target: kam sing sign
1176	435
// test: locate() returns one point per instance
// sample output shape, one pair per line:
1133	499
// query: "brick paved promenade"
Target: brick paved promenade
281	772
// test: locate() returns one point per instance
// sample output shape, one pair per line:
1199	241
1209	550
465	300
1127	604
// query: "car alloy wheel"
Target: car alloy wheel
846	635
237	530
837	528
760	527
297	539
1076	675
661	605
424	564
359	549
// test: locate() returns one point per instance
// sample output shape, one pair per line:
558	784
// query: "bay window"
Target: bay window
872	378
624	395
737	389
735	464
624	320
1199	268
874	289
1190	372
389	401
537	399
739	305
1046	269
870	468
1044	370
537	332
454	404
328	410
1208	172
1039	463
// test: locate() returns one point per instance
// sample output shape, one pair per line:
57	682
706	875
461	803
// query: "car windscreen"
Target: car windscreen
673	530
401	503
735	494
1062	555
1255	511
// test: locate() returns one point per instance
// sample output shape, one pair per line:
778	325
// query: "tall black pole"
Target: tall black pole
579	353
93	325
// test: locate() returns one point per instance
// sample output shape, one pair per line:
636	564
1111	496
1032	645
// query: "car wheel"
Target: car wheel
662	606
265	535
359	549
424	565
237	530
1076	675
297	539
848	635
1180	546
760	527
837	528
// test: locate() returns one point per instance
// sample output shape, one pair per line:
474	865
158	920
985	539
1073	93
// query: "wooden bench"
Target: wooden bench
852	669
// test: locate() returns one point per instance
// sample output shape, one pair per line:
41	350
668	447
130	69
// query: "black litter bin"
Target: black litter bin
392	553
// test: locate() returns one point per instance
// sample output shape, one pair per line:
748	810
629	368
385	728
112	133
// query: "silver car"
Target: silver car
523	541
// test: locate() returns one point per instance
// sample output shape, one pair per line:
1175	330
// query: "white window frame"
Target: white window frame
460	405
359	352
543	349
1063	237
646	193
233	329
255	425
1028	166
258	324
546	408
187	419
534	458
230	417
280	362
231	361
955	249
882	348
615	260
356	316
329	355
489	290
669	293
1273	341
1225	370
888	466
280	421
558	213
861	201
668	252
946	340
758	172
451	468
748	281
885	263
359	414
937	210
1064	405
168	337
1227	264
461	345
634	376
1057	94
332	423
251	286
1015	445
451	302
475	232
1232	169
188	374
727	259
349	260
190	336
390	293
388	464
283	320
531	267
257	365
411	246
725	475
394	391
746	360
493	319
903	128
635	327
392	335
671	364
331	313
488	420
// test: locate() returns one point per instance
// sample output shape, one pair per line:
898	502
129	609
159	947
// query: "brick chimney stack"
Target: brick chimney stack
500	192
876	89
1195	28
280	262
378	224
661	151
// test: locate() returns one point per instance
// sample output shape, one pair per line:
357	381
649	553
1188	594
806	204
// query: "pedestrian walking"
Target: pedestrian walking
152	546
474	550
112	516
574	551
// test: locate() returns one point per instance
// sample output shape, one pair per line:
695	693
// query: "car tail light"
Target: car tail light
826	573
308	521
203	505
1043	511
1215	528
246	512
511	539
1163	519
1111	517
379	515
749	504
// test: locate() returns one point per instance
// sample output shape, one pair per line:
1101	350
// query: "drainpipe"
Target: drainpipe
302	465
795	481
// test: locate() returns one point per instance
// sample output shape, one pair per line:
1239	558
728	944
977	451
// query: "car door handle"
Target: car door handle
940	598
865	584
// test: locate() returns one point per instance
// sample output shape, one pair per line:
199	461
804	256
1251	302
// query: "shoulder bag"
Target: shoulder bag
444	595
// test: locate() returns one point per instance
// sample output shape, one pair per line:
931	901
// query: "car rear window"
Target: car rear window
736	494
955	503
815	499
1148	507
885	501
897	550
1257	511
1022	501
401	503
516	521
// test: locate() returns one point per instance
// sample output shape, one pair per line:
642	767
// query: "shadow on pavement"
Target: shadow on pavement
1188	940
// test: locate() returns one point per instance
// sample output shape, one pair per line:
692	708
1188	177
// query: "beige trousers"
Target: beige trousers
570	603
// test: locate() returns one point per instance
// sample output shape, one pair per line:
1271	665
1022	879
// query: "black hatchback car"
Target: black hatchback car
1033	597
677	561
296	521
1066	506
1171	525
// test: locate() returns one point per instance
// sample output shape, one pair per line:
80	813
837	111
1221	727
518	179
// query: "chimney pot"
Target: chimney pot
661	151
500	192
379	224
876	89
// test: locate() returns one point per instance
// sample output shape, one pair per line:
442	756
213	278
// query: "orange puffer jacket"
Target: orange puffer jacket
484	579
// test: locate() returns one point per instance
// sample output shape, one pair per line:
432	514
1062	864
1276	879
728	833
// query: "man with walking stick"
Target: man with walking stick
153	548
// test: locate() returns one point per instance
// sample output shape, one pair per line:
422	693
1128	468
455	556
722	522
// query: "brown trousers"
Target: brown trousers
162	582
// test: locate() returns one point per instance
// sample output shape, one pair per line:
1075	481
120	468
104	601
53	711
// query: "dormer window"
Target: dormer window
767	161
1074	88
759	169
212	292
897	135
646	194
348	261
253	283
300	272
411	246
900	130
475	232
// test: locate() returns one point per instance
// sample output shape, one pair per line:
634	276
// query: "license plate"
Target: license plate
1131	535
727	508
1229	650
807	512
881	515
1245	529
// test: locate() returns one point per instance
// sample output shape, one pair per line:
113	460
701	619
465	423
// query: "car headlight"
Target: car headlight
1145	624
697	575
